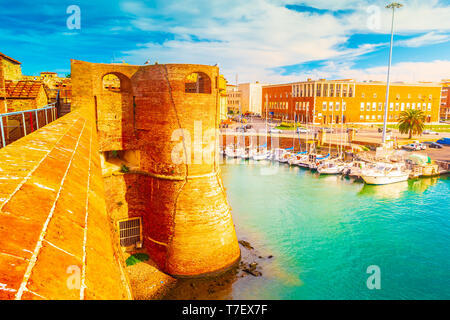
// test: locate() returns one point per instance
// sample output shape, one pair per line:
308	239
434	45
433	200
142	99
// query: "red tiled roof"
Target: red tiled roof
9	58
22	89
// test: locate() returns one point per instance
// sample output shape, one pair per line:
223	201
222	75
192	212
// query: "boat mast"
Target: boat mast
293	134
306	141
332	119
342	124
267	106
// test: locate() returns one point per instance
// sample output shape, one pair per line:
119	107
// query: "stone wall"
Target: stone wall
187	224
11	70
56	239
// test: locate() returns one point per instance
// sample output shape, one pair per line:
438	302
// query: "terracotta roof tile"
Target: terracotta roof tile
22	89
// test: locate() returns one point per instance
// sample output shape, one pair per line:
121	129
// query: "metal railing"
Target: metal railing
33	119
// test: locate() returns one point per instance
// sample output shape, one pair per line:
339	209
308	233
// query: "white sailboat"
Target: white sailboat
331	167
231	152
297	158
355	168
277	153
262	154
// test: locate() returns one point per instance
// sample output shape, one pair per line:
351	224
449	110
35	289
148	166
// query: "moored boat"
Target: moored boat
262	154
385	173
331	167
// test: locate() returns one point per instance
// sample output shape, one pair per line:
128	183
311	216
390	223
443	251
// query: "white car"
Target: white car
274	130
429	132
414	146
303	130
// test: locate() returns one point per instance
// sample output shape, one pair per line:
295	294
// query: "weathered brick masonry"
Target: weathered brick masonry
187	224
56	240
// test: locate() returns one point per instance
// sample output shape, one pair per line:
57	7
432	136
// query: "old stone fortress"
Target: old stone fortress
80	192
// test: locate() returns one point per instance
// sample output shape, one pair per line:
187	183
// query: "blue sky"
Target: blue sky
265	40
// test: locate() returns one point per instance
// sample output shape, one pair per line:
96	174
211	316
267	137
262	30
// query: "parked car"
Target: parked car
328	130
414	146
387	130
421	146
303	130
432	144
429	132
444	141
275	130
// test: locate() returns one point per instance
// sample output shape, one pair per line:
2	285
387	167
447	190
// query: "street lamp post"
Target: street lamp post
392	6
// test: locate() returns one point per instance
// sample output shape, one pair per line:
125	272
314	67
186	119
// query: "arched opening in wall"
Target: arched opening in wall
111	82
115	110
198	82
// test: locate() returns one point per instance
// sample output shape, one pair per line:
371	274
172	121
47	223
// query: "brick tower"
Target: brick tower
167	116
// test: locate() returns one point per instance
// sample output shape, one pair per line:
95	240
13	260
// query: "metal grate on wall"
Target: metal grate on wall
130	232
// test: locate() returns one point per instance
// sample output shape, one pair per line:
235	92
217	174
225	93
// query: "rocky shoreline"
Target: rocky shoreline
220	287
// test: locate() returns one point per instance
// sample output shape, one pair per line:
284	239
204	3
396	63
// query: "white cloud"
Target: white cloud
251	38
404	71
426	39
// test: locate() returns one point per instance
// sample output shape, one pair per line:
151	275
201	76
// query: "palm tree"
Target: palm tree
412	122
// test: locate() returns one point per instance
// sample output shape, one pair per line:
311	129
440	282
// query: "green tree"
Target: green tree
412	122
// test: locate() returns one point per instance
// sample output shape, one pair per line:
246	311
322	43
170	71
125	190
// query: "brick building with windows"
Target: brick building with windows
445	100
334	101
233	99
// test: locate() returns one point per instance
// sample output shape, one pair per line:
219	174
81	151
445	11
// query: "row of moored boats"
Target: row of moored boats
370	172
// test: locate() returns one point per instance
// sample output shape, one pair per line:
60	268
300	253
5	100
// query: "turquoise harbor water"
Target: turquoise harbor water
324	231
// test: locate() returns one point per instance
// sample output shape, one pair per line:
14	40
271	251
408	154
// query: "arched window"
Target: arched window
198	82
111	82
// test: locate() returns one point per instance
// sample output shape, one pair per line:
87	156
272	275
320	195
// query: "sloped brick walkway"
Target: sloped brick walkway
56	240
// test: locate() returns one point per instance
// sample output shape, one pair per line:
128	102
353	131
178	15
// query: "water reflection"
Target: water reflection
422	184
396	190
386	191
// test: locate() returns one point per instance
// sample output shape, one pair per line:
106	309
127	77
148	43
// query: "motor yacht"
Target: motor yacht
385	173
